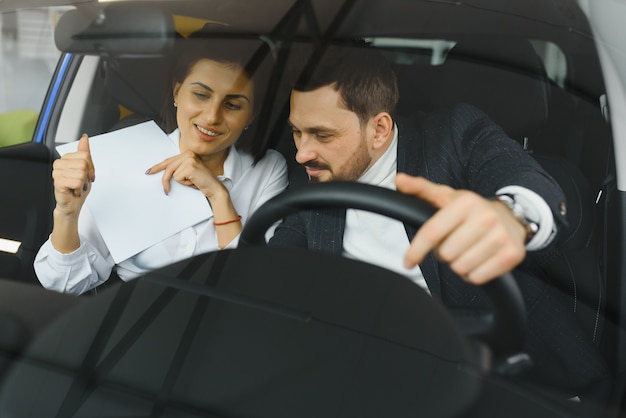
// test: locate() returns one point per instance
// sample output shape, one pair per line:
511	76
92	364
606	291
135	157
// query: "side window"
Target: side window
553	60
28	58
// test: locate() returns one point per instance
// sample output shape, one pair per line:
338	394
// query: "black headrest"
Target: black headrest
138	84
504	77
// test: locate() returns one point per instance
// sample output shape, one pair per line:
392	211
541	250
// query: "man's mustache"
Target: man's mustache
315	165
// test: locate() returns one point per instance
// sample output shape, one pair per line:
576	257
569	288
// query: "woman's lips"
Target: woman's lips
210	134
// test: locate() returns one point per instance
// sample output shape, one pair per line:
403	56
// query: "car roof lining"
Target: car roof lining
319	21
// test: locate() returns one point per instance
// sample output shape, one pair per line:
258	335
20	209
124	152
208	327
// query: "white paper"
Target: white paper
129	207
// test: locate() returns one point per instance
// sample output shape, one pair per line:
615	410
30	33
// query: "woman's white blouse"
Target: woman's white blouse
91	264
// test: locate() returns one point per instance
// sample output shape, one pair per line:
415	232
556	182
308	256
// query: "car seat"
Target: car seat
136	87
506	79
503	77
27	203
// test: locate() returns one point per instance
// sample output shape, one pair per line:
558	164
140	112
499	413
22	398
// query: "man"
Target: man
494	201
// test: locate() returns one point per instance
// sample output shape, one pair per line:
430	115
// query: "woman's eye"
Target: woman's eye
232	106
201	95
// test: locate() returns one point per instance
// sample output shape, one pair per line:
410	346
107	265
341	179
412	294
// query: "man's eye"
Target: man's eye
296	133
322	137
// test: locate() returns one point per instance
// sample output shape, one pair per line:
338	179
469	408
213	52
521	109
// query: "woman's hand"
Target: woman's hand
188	170
73	174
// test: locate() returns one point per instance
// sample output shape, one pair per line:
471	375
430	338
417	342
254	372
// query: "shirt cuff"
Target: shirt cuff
537	210
65	259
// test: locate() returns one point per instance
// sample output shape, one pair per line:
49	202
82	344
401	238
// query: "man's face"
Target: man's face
332	145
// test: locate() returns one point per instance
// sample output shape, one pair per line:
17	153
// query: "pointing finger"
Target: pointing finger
435	194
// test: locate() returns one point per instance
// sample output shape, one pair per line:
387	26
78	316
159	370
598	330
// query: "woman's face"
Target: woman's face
214	105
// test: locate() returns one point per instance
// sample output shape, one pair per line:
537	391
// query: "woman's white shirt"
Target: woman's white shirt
91	264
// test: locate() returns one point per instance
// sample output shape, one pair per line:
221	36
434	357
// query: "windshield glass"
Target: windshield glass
168	105
28	57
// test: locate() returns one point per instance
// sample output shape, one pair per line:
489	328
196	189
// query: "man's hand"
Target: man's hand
479	238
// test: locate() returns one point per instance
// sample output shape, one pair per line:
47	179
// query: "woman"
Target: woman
212	103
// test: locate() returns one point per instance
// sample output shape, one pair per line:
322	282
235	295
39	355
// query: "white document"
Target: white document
129	207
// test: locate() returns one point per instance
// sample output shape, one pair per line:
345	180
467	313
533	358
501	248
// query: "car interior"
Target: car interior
561	123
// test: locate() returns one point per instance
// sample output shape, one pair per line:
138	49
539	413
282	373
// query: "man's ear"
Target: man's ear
383	129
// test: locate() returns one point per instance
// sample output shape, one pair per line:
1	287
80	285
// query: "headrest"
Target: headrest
138	84
504	77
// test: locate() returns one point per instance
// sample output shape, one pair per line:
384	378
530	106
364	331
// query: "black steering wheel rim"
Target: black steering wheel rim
505	331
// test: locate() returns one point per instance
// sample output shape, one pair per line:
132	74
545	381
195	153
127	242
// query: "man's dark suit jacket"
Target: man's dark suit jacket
464	149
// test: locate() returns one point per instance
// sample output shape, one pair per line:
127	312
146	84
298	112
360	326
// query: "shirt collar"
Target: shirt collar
386	167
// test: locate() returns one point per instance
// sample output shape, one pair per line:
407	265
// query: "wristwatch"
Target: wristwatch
520	214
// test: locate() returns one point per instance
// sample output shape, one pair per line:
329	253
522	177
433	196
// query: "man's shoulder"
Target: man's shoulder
457	112
442	123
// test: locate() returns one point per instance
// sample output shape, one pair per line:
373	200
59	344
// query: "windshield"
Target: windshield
510	101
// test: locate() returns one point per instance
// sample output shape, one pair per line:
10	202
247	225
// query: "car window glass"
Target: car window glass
28	57
553	60
434	51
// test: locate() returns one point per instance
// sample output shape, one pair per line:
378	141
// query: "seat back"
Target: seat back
503	77
506	79
137	87
27	203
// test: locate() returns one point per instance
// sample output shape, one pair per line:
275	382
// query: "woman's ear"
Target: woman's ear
383	129
251	120
175	90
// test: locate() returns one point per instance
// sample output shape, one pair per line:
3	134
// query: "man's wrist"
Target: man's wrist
530	226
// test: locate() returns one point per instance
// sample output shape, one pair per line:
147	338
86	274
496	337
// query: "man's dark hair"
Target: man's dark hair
360	73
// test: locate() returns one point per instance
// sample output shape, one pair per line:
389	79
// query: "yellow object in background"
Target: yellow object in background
17	126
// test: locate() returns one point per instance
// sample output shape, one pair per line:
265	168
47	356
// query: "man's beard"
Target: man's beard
352	170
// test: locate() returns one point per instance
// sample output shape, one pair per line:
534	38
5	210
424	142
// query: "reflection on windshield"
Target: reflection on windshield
28	57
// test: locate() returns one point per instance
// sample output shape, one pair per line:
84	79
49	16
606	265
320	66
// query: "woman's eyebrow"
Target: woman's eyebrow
209	89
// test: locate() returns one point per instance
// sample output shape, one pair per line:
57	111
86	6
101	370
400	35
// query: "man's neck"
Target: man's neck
385	162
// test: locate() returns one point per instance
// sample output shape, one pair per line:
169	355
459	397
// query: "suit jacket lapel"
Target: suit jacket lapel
411	161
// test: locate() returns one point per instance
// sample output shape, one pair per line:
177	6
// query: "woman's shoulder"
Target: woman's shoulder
272	163
273	156
271	160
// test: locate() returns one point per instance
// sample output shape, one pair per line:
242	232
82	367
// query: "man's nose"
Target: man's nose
304	151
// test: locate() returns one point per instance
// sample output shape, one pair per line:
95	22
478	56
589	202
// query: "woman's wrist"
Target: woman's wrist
220	194
230	221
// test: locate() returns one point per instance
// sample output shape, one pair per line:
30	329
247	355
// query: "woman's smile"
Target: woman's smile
211	134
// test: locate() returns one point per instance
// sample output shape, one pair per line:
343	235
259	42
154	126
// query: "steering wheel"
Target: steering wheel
503	330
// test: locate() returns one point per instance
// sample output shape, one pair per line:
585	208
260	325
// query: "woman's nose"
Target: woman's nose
212	113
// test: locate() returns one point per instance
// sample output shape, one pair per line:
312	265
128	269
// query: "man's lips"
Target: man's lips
314	170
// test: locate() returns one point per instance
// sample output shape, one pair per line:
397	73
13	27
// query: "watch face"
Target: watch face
520	214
